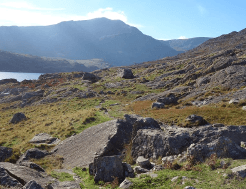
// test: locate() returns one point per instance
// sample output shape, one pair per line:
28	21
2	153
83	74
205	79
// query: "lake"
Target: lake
19	76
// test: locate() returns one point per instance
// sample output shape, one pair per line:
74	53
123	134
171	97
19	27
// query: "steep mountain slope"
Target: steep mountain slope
186	44
13	62
111	40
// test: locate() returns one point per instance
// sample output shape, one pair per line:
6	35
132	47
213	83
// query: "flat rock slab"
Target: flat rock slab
240	171
25	174
44	138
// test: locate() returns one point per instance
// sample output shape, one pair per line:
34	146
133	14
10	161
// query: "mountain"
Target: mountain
13	62
110	40
185	44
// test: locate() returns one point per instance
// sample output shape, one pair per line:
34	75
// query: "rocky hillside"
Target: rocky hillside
13	62
110	40
178	122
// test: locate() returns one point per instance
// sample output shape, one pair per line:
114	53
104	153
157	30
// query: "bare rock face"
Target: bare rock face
107	168
125	73
105	139
223	147
44	138
24	174
8	181
18	117
5	153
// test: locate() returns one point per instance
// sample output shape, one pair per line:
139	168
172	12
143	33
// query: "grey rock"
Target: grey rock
5	81
5	153
18	117
32	166
89	76
169	99
113	85
240	171
107	168
125	73
174	179
126	184
33	153
244	108
8	181
24	174
195	120
218	125
127	167
108	139
44	138
202	81
143	162
32	185
39	93
169	159
223	147
234	101
157	105
140	170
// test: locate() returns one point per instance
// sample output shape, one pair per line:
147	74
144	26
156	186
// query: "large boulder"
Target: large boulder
8	181
105	139
89	76
5	153
155	143
125	73
24	174
33	153
107	168
18	117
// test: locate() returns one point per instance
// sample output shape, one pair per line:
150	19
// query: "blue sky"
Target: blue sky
161	19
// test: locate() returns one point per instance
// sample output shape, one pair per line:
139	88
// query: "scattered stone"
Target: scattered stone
44	138
8	181
32	185
107	168
125	73
18	117
189	187
234	101
126	184
174	179
244	108
143	162
157	105
240	171
194	120
5	153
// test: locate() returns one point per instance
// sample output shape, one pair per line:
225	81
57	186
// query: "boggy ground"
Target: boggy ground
202	82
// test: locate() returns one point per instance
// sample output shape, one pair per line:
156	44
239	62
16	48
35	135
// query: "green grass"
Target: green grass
62	176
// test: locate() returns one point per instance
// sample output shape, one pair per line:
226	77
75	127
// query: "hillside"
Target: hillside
13	62
177	122
186	44
110	40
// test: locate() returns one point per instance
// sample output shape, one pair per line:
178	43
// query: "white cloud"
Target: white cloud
182	37
26	14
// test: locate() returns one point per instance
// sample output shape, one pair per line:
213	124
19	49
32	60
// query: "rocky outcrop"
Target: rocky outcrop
18	117
125	73
24	174
108	139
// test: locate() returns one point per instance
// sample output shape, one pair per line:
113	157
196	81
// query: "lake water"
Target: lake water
19	76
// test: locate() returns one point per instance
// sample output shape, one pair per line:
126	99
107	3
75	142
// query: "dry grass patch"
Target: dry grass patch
212	114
